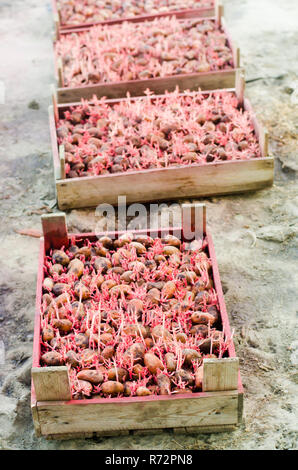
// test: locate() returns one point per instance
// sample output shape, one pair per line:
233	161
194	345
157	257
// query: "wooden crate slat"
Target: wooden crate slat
204	81
219	408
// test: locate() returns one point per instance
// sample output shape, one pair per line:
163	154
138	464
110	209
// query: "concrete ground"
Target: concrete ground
255	235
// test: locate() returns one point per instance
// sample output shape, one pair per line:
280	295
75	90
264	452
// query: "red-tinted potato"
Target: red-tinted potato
190	355
171	362
48	284
88	357
48	334
64	326
185	376
85	387
60	257
134	353
52	358
203	318
72	358
93	376
108	352
117	374
112	387
76	267
143	391
81	340
153	363
164	384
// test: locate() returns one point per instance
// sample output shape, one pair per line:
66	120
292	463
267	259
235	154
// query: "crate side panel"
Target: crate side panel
205	81
217	409
170	183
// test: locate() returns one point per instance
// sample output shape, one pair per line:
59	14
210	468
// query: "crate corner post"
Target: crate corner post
220	374
35	417
51	383
54	230
194	220
219	11
240	86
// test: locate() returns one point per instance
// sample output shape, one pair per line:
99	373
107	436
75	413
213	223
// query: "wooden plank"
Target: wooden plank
147	432
260	131
54	230
60	72
205	81
240	86
36	338
54	143
54	103
210	429
236	55
34	412
51	383
231	43
193	221
108	433
166	183
56	25
220	374
69	436
219	11
219	408
220	298
62	161
240	406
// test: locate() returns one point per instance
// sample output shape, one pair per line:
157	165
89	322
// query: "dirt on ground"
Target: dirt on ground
255	234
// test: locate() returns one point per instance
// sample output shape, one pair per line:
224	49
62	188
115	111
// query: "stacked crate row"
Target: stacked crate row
150	104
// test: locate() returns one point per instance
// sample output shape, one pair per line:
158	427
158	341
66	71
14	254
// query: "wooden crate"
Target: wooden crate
55	415
191	81
183	14
159	184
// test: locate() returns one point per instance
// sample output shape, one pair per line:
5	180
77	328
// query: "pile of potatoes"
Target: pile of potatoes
132	316
138	51
173	131
74	12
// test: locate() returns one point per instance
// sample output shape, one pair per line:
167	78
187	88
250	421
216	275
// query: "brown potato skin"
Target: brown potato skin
190	355
143	392
52	358
119	372
48	334
164	384
112	387
93	376
153	363
185	376
72	358
171	362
